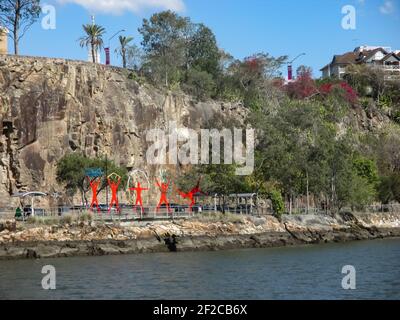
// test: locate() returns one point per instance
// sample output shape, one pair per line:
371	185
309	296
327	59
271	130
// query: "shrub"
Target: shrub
278	204
200	84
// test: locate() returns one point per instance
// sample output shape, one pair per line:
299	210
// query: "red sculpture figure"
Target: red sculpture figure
94	184
163	199
191	194
114	189
139	190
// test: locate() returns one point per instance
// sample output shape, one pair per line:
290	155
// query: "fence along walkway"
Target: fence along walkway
151	213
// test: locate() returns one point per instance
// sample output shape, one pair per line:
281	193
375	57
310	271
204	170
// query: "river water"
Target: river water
305	272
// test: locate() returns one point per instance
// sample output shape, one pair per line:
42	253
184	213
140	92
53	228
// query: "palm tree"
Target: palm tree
93	38
124	46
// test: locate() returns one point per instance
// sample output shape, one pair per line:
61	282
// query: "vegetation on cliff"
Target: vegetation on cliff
312	144
324	143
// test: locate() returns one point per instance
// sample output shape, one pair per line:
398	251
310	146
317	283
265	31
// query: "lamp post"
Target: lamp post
290	66
107	50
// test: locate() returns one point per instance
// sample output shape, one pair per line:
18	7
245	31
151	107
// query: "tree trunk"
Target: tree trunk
16	26
124	60
93	53
16	51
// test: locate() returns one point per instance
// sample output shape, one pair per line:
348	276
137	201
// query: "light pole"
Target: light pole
290	66
107	50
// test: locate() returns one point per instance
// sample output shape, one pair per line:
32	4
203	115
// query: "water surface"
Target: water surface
305	272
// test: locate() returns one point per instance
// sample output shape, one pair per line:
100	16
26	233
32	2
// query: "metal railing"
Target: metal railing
126	212
179	212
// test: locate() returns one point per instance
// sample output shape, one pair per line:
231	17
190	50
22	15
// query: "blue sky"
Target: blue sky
279	27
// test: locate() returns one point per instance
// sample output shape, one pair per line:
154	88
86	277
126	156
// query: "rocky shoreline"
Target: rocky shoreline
90	239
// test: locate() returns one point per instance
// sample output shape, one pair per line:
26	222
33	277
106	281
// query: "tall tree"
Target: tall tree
124	48
164	39
203	51
18	16
92	39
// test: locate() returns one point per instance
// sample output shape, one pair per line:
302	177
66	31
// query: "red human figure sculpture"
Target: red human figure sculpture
191	194
94	184
163	199
139	190
114	189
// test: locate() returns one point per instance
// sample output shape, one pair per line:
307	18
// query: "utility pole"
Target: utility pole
107	50
290	66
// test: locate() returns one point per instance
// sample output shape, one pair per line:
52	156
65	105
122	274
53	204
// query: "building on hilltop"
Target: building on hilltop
378	57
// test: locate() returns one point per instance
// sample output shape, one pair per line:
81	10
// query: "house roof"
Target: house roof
365	55
392	54
356	57
327	66
347	58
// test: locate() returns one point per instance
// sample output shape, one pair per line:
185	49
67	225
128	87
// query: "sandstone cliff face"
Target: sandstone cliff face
49	107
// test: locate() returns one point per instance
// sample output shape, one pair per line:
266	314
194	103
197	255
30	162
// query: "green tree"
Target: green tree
204	54
367	169
164	40
200	84
389	189
92	39
71	170
278	205
124	48
18	16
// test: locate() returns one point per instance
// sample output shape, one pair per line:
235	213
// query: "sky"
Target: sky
242	27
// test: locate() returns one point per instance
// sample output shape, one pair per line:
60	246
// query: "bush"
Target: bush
200	84
278	204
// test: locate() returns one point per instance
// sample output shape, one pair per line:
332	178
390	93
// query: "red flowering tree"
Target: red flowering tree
347	91
303	87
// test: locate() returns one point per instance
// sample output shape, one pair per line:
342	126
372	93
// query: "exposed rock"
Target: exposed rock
49	107
192	235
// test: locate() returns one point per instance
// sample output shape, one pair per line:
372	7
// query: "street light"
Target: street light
290	66
107	50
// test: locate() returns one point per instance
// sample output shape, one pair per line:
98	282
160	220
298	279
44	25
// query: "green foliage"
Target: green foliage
71	171
385	102
389	189
365	80
93	38
367	169
203	52
124	48
182	54
200	84
164	43
355	191
278	204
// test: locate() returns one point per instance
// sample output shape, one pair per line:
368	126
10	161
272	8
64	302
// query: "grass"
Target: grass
220	217
63	220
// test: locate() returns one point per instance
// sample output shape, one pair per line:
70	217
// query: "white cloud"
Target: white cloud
121	6
387	7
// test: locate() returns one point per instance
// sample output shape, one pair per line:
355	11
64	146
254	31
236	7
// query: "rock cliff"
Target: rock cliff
18	240
49	107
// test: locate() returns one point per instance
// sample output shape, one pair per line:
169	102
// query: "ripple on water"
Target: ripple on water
306	272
